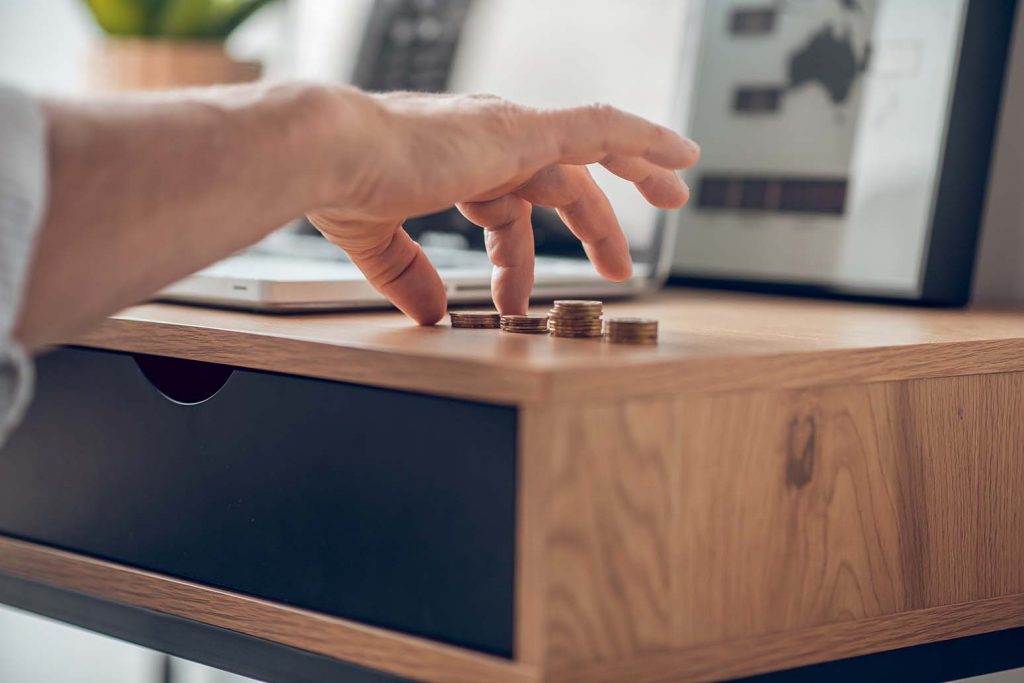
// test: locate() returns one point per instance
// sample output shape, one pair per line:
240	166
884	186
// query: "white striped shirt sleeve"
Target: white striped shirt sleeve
22	197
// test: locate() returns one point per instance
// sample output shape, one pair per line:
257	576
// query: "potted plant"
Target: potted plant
157	44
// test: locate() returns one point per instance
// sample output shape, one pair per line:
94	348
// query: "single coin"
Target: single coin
568	330
576	303
575	321
585	315
578	322
581	308
629	322
528	318
576	335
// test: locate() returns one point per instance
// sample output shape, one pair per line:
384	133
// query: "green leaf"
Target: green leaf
118	17
153	11
185	18
231	17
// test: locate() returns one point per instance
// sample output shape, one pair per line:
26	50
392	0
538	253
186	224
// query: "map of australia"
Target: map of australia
779	92
829	60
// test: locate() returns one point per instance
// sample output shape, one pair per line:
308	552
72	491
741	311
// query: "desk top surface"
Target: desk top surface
709	342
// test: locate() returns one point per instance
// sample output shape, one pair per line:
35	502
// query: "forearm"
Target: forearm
144	191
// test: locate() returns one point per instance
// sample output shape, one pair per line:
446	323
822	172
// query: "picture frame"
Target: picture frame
872	187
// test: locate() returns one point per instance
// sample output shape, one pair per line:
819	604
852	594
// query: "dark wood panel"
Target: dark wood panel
389	508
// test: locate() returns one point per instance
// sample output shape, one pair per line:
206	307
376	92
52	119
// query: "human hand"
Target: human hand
410	154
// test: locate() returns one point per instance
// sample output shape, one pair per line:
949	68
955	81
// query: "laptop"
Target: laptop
563	56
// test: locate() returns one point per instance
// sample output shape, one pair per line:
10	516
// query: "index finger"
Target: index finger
397	268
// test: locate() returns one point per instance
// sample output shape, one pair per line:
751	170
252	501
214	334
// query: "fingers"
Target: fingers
509	238
399	270
586	211
659	186
589	134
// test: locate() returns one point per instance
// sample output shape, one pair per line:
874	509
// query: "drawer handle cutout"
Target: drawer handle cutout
188	382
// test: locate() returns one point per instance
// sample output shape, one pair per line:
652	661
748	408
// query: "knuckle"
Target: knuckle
488	102
504	119
504	108
602	112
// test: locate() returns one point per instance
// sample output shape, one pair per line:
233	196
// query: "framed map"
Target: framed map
829	129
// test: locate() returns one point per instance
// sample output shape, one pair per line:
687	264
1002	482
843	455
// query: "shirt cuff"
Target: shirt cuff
22	197
17	377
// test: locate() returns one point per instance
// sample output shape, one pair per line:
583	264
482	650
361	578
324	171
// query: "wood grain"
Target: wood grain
371	647
709	342
778	651
612	502
537	424
777	483
695	521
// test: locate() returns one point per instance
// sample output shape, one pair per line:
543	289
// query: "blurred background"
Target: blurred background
546	54
636	54
531	51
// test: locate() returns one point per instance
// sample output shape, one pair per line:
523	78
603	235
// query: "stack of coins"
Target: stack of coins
525	324
571	318
481	320
631	330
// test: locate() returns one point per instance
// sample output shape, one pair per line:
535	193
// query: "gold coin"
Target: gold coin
525	324
525	319
632	322
576	335
573	318
570	305
554	315
624	330
474	319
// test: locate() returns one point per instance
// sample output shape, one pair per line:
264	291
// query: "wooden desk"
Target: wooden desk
778	483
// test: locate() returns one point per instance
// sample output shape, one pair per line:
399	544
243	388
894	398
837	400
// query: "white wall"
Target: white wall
36	650
44	44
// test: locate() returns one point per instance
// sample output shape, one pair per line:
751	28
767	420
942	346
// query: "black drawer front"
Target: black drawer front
385	507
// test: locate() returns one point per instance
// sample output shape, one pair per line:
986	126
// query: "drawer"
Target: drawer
389	508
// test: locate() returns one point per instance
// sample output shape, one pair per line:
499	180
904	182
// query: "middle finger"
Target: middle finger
586	211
